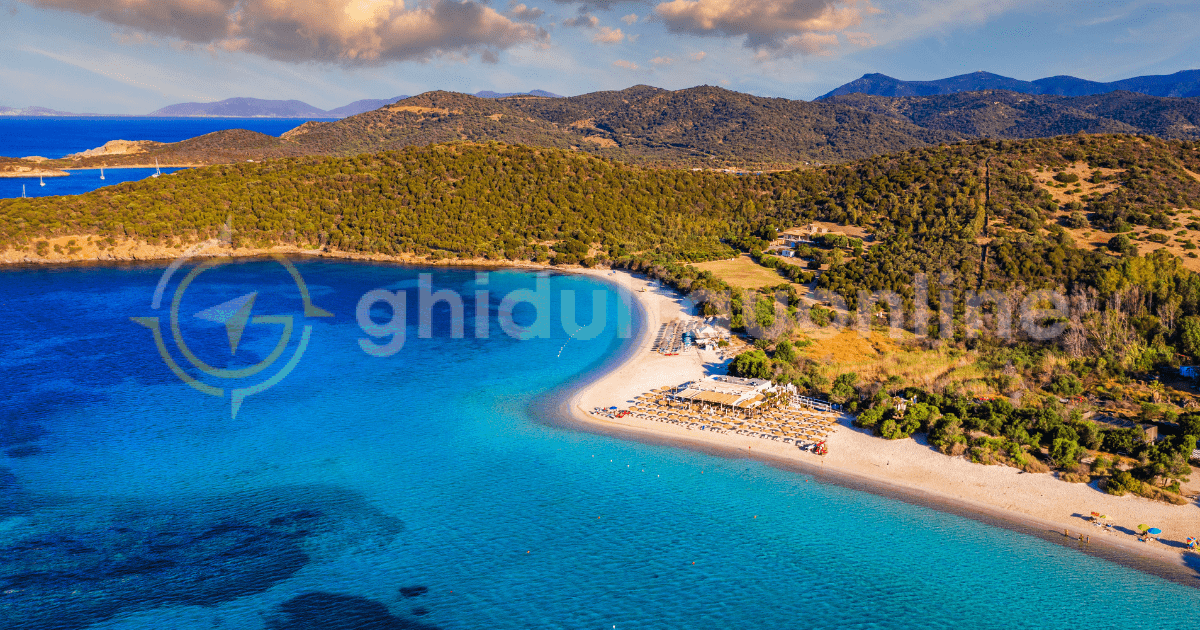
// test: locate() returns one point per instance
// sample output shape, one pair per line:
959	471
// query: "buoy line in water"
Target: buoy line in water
569	338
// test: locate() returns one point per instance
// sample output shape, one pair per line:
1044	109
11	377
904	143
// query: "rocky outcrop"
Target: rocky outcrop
118	147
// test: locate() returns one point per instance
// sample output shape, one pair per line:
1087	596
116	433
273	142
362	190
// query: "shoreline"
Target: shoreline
32	175
921	476
128	250
1033	504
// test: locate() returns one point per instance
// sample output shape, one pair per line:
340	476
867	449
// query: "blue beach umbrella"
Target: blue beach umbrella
1154	530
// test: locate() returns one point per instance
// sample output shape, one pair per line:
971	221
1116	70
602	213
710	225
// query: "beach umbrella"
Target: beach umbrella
612	407
1096	514
1191	540
1154	530
1142	528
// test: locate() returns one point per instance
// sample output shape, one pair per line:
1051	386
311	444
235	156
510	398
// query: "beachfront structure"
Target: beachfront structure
709	337
735	406
728	391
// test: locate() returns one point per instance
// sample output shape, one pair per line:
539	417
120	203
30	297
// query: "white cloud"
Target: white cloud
583	20
347	32
630	19
698	56
860	39
804	44
524	13
662	61
627	65
606	35
783	26
916	19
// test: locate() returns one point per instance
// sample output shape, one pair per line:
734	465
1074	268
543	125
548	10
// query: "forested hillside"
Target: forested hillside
1136	305
925	207
1001	114
703	127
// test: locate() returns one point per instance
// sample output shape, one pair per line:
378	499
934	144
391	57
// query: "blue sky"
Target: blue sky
134	56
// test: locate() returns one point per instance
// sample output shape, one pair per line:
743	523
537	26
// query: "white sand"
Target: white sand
907	466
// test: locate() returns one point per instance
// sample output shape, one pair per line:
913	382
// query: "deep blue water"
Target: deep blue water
78	182
54	137
420	491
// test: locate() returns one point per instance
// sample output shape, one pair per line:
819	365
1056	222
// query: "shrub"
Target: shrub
785	352
752	364
821	316
1122	483
1066	385
1066	178
869	418
1122	244
843	387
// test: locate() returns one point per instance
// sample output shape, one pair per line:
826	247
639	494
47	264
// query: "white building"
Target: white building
730	391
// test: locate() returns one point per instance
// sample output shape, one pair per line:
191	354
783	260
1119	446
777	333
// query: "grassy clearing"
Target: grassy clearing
881	358
744	272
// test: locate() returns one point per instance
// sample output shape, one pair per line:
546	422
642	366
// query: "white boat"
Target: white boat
23	191
101	172
157	171
41	181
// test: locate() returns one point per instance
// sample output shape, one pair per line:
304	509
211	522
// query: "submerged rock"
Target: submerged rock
333	611
71	570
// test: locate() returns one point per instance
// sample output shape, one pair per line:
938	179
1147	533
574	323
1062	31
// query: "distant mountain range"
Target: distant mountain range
35	111
1181	84
1013	115
244	107
705	126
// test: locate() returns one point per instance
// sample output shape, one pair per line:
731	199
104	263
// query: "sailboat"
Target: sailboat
101	172
157	171
23	191
41	181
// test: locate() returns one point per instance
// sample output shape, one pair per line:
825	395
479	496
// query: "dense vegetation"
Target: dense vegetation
925	210
1011	115
1029	437
470	201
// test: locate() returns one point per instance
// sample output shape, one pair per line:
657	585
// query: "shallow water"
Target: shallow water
418	490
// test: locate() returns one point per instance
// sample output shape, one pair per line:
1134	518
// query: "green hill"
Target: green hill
1002	114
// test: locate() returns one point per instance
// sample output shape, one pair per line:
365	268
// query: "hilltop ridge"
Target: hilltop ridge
1182	84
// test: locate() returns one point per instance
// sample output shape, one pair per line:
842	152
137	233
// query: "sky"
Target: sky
135	56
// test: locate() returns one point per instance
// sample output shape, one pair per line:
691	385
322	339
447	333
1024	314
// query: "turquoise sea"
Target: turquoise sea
433	488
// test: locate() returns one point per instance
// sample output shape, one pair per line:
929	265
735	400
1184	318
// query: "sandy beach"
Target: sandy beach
1036	503
909	469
